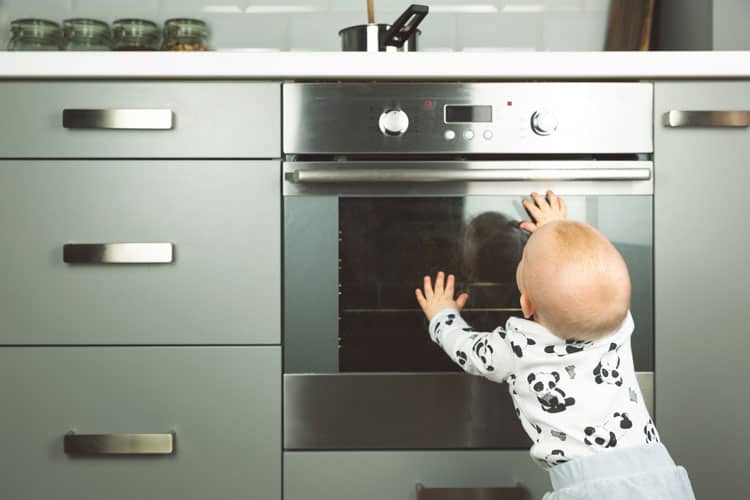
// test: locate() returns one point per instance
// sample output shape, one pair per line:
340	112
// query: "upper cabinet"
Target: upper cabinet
156	119
702	345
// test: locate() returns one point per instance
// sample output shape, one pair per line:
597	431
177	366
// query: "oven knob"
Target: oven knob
543	122
393	122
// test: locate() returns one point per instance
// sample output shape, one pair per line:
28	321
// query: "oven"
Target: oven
386	182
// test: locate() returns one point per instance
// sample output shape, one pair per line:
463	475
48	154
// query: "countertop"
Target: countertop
358	65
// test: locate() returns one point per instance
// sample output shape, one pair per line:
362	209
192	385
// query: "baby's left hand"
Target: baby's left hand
434	301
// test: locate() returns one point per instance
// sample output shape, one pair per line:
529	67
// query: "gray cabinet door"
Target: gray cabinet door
186	119
394	475
702	334
223	406
223	218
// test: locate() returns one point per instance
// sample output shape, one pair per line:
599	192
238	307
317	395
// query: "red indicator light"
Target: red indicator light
428	104
509	103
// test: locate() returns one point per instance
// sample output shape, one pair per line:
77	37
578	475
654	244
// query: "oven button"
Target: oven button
468	134
543	122
393	122
487	134
449	135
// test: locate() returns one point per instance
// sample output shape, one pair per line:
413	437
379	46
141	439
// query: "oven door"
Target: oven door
360	371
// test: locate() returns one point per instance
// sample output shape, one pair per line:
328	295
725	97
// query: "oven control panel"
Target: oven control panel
433	118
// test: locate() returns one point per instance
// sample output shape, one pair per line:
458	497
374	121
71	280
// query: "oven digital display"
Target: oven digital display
468	114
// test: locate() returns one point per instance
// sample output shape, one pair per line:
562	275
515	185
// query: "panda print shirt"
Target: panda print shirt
574	398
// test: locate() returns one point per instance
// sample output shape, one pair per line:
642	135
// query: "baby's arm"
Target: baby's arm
478	353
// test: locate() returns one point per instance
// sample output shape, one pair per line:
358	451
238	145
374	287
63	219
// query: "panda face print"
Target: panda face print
556	457
607	371
571	346
517	340
484	352
461	357
512	384
650	431
599	437
606	436
550	396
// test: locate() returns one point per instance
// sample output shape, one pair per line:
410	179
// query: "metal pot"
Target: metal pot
401	36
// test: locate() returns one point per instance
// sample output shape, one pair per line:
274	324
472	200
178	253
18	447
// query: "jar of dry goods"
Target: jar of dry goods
34	34
86	34
135	34
185	34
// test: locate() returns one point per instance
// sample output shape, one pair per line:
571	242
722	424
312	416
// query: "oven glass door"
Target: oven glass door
354	259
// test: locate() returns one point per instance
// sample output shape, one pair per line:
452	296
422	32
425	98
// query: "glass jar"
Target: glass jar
185	35
34	34
86	34
135	34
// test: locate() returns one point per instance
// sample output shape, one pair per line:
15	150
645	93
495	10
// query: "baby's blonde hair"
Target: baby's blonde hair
577	280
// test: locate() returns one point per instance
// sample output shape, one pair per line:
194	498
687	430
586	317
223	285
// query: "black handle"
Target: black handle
405	26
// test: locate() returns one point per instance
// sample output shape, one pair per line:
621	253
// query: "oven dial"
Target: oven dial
543	122
393	122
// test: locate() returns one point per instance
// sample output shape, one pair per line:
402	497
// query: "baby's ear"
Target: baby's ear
526	306
531	377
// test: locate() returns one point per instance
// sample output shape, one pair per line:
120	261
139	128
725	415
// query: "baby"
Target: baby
569	370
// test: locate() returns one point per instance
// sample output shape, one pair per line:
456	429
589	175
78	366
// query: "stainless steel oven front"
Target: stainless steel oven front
387	182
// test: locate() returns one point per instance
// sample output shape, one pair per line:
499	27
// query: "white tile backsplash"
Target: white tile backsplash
508	31
314	24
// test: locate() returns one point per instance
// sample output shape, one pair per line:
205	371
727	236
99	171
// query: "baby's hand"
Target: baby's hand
544	210
434	301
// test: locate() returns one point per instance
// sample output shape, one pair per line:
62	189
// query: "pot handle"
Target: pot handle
404	26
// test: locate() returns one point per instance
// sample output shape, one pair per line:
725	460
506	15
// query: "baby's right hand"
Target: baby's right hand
544	210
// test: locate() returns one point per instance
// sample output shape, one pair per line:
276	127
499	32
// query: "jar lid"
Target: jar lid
184	26
85	28
37	28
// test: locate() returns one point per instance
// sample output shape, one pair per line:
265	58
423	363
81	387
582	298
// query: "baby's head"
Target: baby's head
573	281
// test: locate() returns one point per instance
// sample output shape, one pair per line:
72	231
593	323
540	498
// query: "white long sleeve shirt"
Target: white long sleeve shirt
574	398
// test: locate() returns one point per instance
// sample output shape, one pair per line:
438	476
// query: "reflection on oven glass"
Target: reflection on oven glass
387	245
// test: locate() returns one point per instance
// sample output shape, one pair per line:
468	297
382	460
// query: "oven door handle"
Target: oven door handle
406	175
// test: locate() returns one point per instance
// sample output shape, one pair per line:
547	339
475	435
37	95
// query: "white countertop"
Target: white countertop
358	65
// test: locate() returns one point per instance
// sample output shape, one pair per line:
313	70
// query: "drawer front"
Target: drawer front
219	220
221	404
372	475
171	120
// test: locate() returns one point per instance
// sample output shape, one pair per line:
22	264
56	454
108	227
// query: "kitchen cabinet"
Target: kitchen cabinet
137	119
394	475
702	332
220	405
222	285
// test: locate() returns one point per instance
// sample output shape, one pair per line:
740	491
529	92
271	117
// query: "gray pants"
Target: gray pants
644	472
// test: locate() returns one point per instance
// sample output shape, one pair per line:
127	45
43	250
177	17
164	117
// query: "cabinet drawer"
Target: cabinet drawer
394	475
220	220
83	119
222	405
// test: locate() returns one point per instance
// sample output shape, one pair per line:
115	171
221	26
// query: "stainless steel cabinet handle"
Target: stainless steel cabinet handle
120	119
514	493
377	176
682	119
118	444
118	253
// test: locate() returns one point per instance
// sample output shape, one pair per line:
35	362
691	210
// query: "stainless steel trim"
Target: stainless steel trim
735	119
464	178
118	253
404	411
118	444
390	175
342	118
119	119
513	493
398	411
